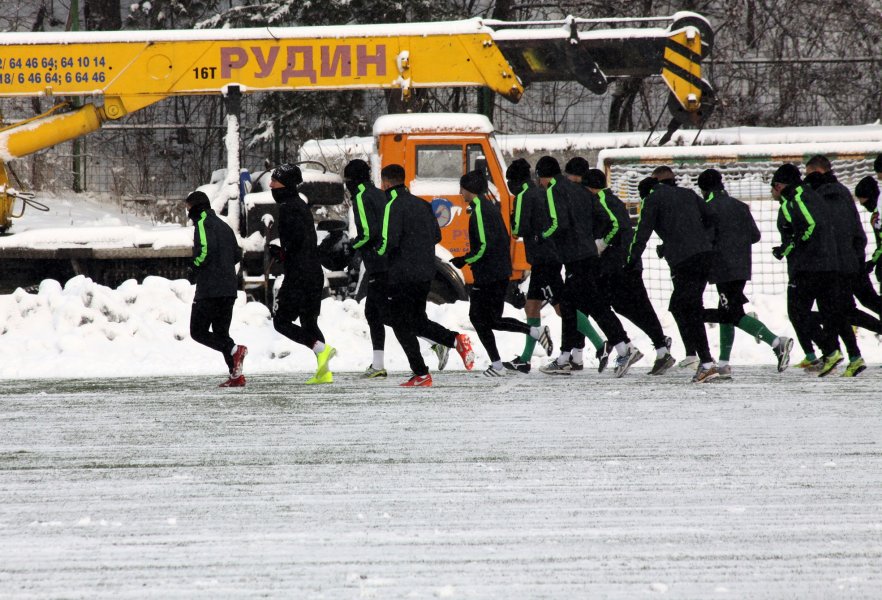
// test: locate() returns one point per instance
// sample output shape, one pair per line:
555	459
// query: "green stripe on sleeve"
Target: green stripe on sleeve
552	210
203	240
362	215
481	236
518	202
382	250
615	222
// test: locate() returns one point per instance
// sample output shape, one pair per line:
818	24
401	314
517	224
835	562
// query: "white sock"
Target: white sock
233	351
318	347
722	363
497	364
378	360
707	365
576	355
535	332
661	352
564	358
776	342
621	348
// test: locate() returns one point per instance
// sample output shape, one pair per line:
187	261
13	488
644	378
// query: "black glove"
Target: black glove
869	267
191	274
276	252
458	261
660	250
778	252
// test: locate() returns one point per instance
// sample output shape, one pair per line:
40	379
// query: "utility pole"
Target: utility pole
79	145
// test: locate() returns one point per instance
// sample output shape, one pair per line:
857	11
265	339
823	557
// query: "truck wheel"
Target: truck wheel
447	286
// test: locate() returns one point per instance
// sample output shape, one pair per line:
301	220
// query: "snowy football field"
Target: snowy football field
769	486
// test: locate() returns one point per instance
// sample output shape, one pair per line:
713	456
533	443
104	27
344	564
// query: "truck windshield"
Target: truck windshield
439	162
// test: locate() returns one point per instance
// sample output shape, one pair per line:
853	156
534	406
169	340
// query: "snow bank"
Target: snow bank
87	330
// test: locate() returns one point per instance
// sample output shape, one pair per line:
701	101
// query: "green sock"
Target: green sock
583	325
811	356
727	339
530	342
756	328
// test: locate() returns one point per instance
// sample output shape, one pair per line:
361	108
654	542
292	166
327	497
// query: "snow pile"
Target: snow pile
87	330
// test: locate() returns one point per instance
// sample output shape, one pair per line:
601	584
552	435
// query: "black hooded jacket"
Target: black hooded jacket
735	231
215	254
530	221
812	244
297	235
578	219
489	253
409	234
851	240
619	234
368	204
681	219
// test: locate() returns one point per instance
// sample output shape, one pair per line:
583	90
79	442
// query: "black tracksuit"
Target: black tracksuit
578	218
409	234
301	294
682	220
489	257
368	205
735	231
215	254
625	290
813	256
535	221
851	245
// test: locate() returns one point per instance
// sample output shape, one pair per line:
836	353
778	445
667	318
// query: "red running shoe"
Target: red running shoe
464	347
238	360
418	381
234	382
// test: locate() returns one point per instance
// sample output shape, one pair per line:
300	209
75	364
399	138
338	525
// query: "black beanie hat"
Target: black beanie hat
645	186
518	171
288	175
197	198
547	167
788	174
868	188
877	164
577	166
595	179
710	180
475	182
357	170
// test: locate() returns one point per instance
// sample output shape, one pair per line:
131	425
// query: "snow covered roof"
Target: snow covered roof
432	123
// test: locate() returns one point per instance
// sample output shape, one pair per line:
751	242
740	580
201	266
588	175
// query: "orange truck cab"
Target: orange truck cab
435	151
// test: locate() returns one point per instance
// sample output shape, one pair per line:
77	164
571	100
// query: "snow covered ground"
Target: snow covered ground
529	487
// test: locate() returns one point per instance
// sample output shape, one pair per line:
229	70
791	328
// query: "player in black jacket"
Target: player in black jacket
572	230
215	254
867	193
489	258
301	294
814	262
735	231
625	290
368	204
851	243
682	221
409	234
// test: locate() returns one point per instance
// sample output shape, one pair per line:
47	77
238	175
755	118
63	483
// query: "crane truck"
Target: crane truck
121	72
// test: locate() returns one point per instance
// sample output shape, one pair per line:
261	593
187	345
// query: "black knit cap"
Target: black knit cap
788	174
645	186
197	198
357	170
475	182
595	179
710	180
868	188
577	166
288	175
547	167
877	164
518	171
